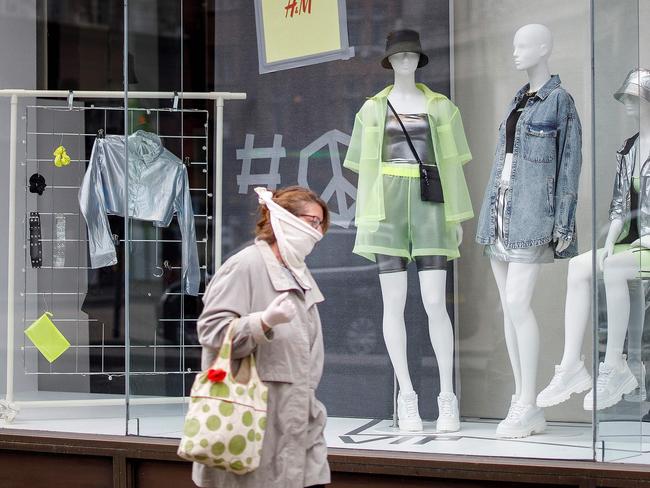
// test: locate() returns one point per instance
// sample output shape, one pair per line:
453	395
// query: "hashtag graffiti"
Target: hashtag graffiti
338	186
249	153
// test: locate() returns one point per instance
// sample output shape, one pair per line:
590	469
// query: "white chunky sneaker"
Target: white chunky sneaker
639	394
613	382
448	416
408	416
564	384
522	420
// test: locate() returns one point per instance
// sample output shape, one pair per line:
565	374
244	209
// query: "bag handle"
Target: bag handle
408	138
410	143
224	356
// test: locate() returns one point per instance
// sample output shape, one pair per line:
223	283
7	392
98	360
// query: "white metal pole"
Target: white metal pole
218	187
11	253
120	94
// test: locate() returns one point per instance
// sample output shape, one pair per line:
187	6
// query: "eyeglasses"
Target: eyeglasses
312	220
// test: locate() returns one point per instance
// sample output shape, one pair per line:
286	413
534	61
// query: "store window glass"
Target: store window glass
471	325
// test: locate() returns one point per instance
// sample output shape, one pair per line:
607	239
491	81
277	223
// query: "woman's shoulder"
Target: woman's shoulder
244	258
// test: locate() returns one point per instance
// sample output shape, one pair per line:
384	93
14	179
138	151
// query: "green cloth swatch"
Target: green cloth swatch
47	338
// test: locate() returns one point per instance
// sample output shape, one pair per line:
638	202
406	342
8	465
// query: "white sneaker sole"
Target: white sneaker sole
628	387
581	386
447	426
536	428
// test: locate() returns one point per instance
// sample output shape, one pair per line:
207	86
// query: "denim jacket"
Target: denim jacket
627	159
546	161
158	189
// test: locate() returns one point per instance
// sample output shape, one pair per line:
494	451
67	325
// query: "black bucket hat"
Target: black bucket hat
403	41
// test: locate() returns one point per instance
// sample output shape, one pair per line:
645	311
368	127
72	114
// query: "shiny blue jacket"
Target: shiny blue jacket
158	189
546	162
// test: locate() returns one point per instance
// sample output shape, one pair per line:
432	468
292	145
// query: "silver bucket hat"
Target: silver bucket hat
637	84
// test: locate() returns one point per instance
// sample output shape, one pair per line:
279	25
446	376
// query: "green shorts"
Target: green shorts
412	227
643	255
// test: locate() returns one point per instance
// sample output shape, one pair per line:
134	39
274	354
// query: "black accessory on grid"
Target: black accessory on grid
430	186
37	183
35	247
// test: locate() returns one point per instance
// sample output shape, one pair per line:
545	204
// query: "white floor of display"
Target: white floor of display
567	441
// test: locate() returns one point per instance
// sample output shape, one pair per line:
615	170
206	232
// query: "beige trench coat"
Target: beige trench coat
289	361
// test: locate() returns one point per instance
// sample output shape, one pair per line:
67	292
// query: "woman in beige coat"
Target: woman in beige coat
268	286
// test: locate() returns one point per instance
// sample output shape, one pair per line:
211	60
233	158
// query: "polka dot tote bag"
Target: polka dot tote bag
226	418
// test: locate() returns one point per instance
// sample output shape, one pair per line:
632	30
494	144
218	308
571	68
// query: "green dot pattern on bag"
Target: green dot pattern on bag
213	422
265	396
237	445
251	435
247	419
262	423
226	409
258	437
225	351
240	390
206	408
204	443
189	445
219	390
194	400
200	457
192	427
229	427
204	379
237	465
251	392
249	460
218	449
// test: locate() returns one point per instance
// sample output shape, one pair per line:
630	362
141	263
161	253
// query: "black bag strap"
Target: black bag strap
408	138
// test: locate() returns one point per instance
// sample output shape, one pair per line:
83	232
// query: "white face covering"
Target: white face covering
295	237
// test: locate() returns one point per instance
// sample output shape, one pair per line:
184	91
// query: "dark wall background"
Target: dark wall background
81	48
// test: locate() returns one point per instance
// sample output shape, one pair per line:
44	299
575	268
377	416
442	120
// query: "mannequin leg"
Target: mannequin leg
577	308
618	269
500	272
614	376
520	285
393	292
570	375
433	291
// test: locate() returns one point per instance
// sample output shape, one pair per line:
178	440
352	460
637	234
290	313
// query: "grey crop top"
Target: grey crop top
395	148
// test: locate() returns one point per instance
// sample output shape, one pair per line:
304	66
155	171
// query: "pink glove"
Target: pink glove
279	311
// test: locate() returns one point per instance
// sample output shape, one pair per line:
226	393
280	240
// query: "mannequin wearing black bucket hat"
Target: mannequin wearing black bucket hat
395	225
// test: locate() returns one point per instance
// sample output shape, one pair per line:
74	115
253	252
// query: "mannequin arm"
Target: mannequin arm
614	231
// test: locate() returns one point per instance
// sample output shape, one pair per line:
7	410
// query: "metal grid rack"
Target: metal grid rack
49	290
9	405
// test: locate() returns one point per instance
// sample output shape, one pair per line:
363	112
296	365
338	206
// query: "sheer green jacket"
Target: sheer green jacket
449	143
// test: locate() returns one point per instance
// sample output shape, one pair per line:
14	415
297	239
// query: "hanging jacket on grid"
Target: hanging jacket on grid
158	189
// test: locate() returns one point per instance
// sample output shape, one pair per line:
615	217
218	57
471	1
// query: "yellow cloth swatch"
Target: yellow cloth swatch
47	338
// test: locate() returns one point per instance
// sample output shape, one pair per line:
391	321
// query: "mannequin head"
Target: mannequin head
634	93
404	63
533	44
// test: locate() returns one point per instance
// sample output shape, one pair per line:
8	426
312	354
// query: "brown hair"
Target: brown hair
292	199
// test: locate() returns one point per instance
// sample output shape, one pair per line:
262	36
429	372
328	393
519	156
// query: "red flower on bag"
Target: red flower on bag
216	375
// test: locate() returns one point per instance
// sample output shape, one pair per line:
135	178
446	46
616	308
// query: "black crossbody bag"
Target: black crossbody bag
430	186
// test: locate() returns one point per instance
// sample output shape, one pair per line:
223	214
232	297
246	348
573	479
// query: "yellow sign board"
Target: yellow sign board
295	33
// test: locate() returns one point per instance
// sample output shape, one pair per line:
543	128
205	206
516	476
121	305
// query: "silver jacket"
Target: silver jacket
158	189
627	158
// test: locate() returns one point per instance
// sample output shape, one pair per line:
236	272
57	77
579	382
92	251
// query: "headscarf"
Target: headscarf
295	237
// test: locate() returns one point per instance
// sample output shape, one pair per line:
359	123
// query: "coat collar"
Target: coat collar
281	282
428	93
544	91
